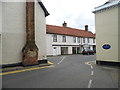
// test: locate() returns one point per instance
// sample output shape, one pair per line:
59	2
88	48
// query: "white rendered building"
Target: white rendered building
66	40
13	33
107	21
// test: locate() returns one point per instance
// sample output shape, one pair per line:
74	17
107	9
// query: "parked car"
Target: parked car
87	52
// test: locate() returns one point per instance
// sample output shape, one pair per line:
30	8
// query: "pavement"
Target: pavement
112	70
72	71
17	69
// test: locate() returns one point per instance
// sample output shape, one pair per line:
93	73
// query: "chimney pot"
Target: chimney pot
64	24
86	27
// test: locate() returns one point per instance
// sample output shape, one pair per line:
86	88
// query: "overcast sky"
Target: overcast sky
76	13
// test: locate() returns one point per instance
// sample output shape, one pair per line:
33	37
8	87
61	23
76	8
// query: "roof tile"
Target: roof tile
68	31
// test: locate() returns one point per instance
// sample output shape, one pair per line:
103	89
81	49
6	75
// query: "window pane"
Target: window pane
64	39
88	40
83	40
54	38
74	39
93	40
78	39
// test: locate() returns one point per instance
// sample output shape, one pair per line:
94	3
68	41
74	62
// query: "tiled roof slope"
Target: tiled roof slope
68	31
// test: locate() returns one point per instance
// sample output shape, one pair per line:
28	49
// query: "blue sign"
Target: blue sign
106	46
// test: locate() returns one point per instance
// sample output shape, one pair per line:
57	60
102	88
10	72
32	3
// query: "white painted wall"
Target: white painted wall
107	33
0	33
49	44
69	41
69	50
91	41
56	51
0	17
40	31
59	50
0	62
119	34
14	31
0	50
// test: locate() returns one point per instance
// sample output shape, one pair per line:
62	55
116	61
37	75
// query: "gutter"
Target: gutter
44	9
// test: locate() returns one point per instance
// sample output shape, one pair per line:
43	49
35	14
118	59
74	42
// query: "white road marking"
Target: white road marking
92	72
61	60
91	67
89	84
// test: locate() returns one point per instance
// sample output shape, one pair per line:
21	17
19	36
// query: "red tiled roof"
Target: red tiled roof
68	31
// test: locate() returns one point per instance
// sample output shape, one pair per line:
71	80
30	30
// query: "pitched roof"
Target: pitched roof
108	4
68	31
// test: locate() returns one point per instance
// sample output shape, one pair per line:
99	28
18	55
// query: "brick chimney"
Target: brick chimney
86	27
64	24
30	50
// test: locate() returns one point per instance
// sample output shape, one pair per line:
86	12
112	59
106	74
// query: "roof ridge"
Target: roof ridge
66	27
53	29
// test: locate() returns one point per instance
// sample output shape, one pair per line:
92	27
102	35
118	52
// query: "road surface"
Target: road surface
69	71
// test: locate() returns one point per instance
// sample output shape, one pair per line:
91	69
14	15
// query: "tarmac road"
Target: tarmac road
69	71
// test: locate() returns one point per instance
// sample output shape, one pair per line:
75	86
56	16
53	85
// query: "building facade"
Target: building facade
107	21
13	33
65	40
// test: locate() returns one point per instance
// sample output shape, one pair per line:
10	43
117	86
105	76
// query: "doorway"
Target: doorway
64	50
74	51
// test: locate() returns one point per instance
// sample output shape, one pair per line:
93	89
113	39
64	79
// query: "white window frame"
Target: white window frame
83	40
54	38
64	38
78	39
74	39
93	40
88	40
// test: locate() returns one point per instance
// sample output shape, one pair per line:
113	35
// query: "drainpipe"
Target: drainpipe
30	50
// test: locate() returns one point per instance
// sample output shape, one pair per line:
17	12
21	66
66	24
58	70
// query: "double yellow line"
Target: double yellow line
30	69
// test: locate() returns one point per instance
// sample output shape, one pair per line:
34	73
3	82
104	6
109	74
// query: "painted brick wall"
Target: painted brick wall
14	31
